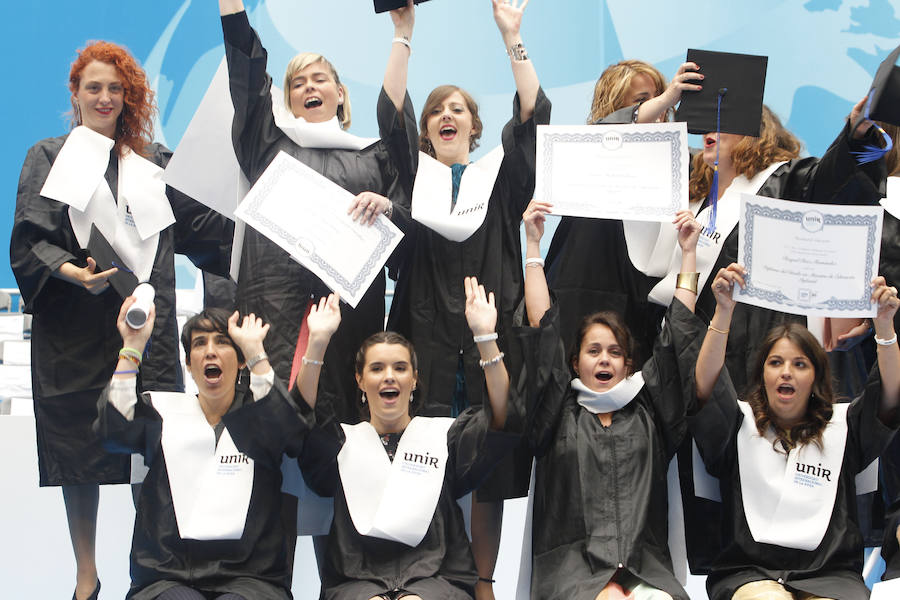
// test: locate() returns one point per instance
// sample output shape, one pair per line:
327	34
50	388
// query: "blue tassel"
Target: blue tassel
871	153
714	188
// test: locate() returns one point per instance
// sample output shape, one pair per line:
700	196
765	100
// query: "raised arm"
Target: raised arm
230	7
481	314
398	61
122	389
888	352
249	336
508	16
323	321
688	234
655	109
537	295
712	353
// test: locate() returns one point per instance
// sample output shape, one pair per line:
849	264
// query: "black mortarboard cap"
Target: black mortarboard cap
741	81
386	5
123	281
885	91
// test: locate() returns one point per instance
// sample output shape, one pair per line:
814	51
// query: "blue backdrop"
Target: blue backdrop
822	55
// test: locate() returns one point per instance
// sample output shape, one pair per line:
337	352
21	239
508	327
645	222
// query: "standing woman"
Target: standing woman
603	435
271	284
630	91
74	336
791	537
768	165
429	304
398	531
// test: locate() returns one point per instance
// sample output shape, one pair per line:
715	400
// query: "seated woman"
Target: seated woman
787	456
398	531
603	436
209	518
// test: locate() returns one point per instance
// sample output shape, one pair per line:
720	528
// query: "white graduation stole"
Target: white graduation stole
77	178
433	195
327	134
604	402
394	500
653	247
211	484
788	499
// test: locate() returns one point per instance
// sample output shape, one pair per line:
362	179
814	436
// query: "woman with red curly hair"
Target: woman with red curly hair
99	190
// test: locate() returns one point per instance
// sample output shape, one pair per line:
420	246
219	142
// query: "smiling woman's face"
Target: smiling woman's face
315	95
388	380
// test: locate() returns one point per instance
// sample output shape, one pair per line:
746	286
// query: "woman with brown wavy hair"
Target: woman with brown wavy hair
99	189
769	165
787	457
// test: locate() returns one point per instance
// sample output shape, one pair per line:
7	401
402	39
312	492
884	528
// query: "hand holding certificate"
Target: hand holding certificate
306	215
631	172
811	259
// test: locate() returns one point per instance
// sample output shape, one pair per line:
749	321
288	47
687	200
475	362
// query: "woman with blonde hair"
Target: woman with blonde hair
629	91
316	105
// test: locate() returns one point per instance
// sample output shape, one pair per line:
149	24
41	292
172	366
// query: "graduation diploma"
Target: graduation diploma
306	215
636	172
809	259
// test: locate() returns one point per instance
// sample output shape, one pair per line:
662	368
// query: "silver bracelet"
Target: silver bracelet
487	337
886	342
314	363
404	41
252	362
517	52
534	262
491	361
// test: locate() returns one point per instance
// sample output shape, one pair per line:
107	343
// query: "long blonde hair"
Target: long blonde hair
750	155
610	91
303	60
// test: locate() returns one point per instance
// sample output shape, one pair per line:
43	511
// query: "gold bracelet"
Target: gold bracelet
722	331
688	281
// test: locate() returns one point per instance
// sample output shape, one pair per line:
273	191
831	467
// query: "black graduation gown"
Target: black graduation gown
836	178
430	299
441	566
589	270
255	566
271	284
600	494
74	340
833	570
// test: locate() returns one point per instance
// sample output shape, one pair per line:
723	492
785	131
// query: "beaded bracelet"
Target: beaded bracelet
491	361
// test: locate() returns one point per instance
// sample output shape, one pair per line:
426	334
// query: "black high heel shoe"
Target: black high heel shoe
95	595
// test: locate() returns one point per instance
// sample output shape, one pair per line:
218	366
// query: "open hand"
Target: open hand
481	312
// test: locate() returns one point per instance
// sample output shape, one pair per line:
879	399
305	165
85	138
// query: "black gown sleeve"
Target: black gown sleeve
318	460
39	243
140	435
271	426
544	379
253	129
867	435
475	449
520	148
668	371
714	426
